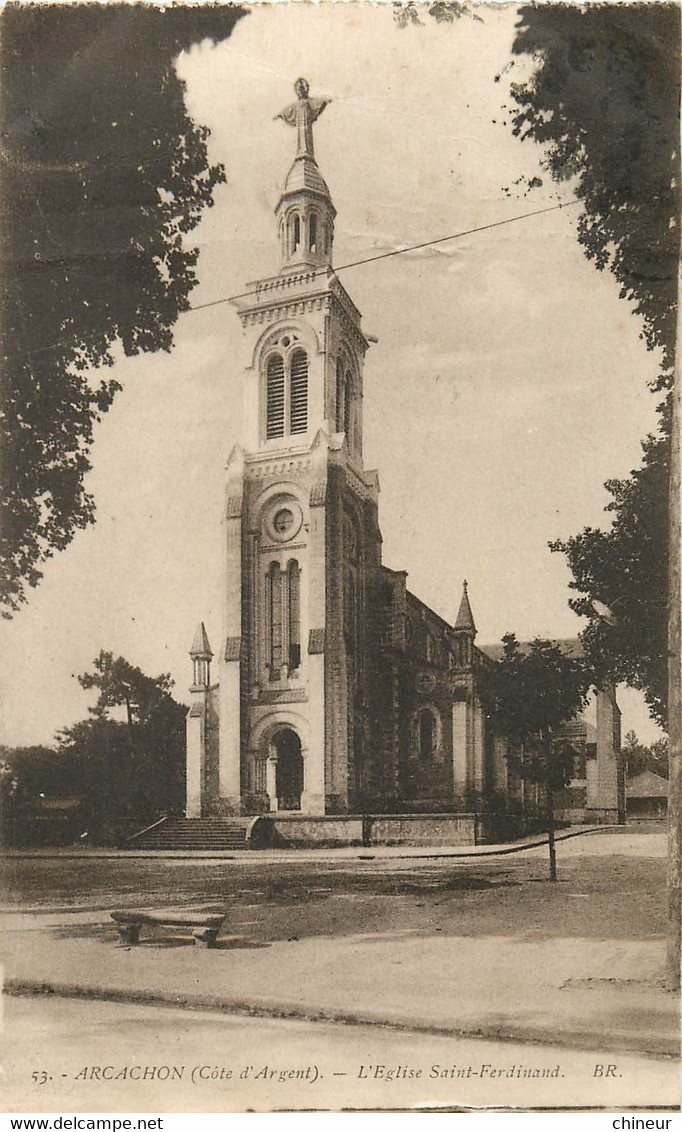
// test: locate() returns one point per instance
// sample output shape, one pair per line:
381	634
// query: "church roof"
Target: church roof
200	645
465	618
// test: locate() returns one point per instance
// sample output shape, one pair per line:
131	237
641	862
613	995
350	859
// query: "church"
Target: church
338	691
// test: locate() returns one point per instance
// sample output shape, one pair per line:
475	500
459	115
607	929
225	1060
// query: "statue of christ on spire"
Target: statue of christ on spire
302	114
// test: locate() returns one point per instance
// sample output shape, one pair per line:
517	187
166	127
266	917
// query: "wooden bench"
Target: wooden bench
204	928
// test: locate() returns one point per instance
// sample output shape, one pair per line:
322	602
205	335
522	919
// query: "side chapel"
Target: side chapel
339	691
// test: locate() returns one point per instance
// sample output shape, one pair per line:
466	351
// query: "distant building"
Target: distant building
647	796
339	691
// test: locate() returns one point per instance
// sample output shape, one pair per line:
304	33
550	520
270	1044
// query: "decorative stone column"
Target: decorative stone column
195	773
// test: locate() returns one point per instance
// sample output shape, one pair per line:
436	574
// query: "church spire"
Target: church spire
465	618
305	210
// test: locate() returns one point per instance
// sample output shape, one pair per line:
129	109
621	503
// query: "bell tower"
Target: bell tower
301	530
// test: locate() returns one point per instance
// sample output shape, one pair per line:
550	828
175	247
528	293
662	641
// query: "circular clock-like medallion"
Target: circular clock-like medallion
283	521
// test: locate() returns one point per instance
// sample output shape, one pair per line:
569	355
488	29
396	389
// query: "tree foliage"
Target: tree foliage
39	770
626	569
640	757
121	684
407	13
104	174
603	99
132	769
528	695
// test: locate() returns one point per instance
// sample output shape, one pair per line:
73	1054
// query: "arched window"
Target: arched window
294	618
350	616
344	400
286	392
275	611
275	397
340	395
428	734
347	407
283	612
350	583
295	233
312	232
298	397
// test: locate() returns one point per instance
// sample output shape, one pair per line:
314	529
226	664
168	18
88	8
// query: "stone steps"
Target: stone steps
200	833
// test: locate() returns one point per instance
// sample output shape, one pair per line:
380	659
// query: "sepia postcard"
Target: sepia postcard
338	728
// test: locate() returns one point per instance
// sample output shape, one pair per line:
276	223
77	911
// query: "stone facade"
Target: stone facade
339	691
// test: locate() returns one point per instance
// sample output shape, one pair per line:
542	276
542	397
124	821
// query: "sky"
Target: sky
507	384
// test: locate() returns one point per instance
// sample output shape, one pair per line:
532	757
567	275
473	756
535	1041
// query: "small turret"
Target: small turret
465	629
465	618
202	656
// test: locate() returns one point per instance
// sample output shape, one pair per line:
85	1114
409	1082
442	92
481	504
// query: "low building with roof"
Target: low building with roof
646	796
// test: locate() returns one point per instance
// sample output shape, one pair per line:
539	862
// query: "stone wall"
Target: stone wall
381	829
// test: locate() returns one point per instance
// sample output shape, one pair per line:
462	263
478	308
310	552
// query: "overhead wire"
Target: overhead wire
361	262
400	251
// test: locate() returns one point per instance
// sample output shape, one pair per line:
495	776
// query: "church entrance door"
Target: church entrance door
289	769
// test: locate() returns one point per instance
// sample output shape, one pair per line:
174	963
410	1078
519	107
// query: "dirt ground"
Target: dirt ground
609	896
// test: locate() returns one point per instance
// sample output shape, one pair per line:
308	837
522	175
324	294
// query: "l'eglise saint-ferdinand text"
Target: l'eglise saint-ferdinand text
435	1071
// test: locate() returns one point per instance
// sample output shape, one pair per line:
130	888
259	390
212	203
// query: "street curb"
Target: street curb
363	853
590	1038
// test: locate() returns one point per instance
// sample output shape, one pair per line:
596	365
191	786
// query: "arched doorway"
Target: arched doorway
289	780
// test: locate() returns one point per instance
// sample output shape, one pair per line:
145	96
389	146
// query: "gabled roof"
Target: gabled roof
648	784
200	645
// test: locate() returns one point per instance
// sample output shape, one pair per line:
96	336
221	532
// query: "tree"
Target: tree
625	569
39	770
104	174
406	13
639	758
528	695
133	769
603	99
121	684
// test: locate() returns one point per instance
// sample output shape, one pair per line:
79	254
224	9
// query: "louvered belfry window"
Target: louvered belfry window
275	397
298	408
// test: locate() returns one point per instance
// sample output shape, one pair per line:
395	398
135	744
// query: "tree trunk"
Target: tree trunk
550	832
